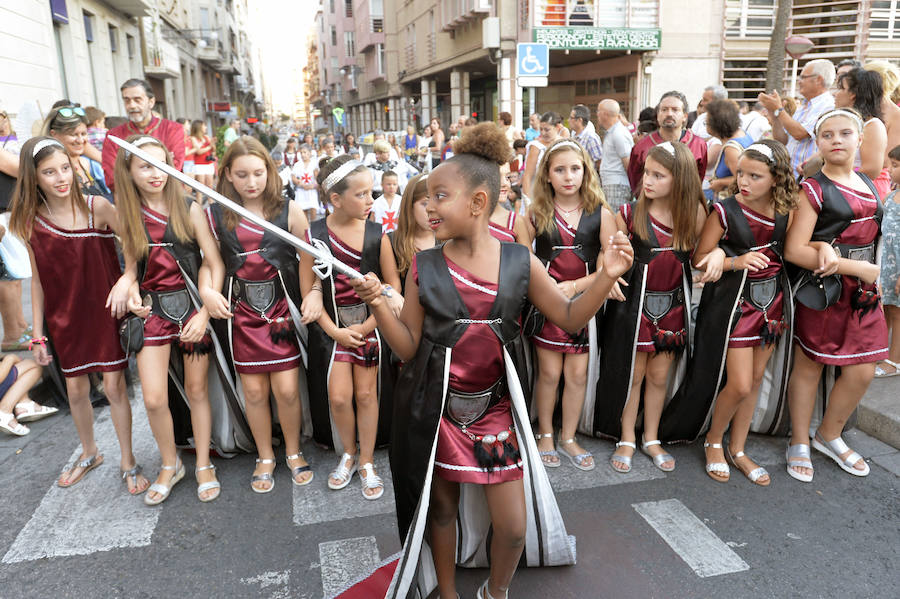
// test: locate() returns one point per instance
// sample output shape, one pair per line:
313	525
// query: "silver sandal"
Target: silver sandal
203	487
834	448
622	459
342	473
550	453
799	453
133	473
164	490
579	459
720	467
370	481
658	460
295	470
264	477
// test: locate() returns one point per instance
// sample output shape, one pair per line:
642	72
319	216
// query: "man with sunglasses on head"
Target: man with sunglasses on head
138	97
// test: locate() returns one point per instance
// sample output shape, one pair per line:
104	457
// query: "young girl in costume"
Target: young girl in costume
503	223
413	232
343	343
647	334
304	179
834	235
262	284
568	219
745	311
165	232
71	241
462	439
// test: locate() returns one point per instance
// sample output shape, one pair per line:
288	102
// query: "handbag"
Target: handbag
817	292
13	254
131	334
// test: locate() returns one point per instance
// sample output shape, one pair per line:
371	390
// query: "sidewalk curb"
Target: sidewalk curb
879	411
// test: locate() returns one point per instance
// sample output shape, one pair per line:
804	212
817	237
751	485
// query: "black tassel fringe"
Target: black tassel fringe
864	300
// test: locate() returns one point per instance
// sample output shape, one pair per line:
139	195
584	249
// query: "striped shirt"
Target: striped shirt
801	150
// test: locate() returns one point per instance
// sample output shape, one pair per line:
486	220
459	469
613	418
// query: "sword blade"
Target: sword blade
235	207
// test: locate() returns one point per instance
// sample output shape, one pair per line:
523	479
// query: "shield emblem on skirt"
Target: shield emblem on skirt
465	410
175	305
762	293
657	305
260	296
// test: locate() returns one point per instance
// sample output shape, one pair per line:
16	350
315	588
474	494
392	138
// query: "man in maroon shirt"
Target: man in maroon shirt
671	114
139	100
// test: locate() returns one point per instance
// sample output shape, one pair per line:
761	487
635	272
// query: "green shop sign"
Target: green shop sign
597	38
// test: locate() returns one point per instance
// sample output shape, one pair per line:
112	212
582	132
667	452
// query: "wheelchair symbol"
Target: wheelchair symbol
530	63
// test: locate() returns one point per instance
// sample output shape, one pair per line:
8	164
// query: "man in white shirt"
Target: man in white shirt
754	123
710	93
616	146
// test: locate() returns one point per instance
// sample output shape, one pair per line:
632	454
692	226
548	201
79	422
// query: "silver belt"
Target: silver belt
465	408
351	315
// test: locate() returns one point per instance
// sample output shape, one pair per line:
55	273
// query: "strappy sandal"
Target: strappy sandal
203	487
86	465
297	470
754	475
342	473
370	481
163	490
625	460
834	448
881	373
660	459
552	453
133	474
716	467
33	411
264	477
484	593
577	460
18	429
797	456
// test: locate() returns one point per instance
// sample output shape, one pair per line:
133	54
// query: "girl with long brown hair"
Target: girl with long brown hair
70	239
262	289
647	334
568	221
413	233
164	232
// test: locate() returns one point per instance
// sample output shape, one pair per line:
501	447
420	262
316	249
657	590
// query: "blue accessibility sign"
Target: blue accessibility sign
533	60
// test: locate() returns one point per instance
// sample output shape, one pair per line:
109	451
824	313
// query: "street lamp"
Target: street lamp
797	46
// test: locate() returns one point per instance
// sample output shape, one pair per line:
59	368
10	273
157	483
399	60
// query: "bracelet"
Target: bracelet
732	263
42	341
319	289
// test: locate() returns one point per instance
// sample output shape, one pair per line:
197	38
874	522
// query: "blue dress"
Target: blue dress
890	251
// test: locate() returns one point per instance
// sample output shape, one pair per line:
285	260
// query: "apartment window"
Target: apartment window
348	8
89	36
113	39
331	4
749	18
204	19
376	14
88	27
349	44
333	35
379	58
129	44
57	36
885	23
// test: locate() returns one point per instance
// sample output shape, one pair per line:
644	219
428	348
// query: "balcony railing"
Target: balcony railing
638	14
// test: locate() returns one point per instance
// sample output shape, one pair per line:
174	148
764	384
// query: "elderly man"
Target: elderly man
671	116
584	133
138	97
617	145
710	93
797	132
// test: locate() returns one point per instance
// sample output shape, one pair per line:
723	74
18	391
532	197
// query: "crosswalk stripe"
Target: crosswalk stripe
96	514
345	561
274	585
316	503
692	540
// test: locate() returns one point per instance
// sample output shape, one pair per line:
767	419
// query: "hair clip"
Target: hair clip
762	149
43	144
141	141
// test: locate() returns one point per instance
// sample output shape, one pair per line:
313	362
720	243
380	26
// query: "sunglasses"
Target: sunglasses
67	112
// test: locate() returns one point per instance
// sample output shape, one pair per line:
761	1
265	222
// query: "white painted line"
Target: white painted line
316	503
346	561
696	544
275	583
97	514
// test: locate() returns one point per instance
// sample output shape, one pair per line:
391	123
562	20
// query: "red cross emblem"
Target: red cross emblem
306	179
389	222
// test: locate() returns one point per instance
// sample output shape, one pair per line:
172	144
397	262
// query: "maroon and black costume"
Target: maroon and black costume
77	269
168	282
345	308
471	341
262	282
652	318
741	309
506	233
852	330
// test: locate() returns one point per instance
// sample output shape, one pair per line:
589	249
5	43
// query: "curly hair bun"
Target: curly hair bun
485	140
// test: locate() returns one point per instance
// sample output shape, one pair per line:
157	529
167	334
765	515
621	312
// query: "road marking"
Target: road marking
266	580
696	544
97	514
346	561
316	503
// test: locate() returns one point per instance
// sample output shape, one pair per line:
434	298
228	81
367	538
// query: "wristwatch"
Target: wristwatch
777	112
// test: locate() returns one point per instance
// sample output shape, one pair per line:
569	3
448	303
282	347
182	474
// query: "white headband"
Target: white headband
141	141
43	144
762	149
339	174
668	147
838	112
568	144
